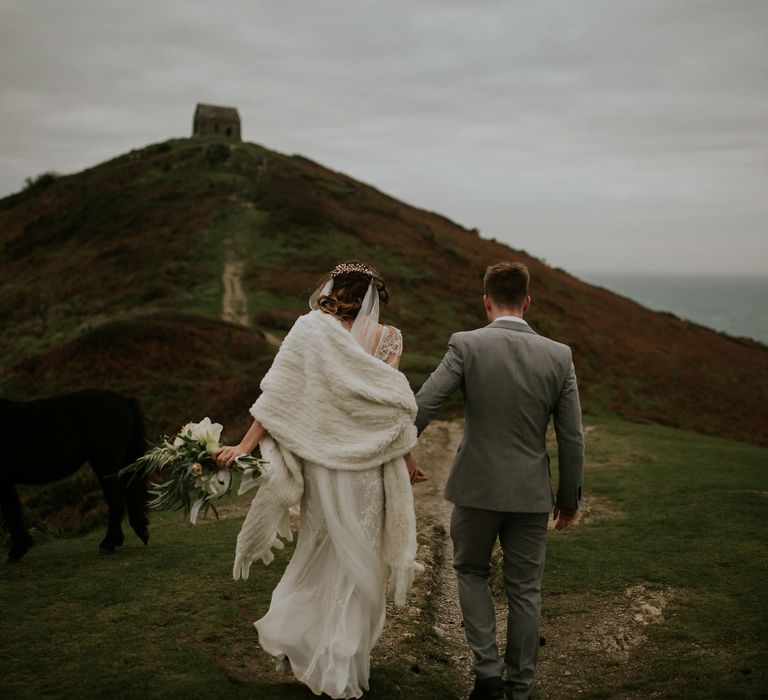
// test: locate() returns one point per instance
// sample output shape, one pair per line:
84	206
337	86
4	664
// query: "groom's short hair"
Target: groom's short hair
506	283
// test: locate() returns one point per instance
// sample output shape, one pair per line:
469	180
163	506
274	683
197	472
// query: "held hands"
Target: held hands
414	473
564	517
224	456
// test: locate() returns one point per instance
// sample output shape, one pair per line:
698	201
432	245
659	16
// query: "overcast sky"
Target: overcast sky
601	135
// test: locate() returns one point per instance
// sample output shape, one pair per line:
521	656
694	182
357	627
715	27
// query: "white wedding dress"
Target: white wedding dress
328	610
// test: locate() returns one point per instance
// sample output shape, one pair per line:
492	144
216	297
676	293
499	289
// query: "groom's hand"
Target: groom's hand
564	517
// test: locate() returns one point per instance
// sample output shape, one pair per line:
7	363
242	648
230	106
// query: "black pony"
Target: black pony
49	439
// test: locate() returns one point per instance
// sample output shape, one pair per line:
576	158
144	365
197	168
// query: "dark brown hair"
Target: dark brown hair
349	288
506	283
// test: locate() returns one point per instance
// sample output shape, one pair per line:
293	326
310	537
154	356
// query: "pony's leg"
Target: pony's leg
136	488
108	443
21	541
113	493
136	500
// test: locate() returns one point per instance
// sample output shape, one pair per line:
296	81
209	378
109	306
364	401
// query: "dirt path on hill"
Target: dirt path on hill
234	302
433	600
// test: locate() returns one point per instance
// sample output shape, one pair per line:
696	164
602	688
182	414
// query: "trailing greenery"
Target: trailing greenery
189	471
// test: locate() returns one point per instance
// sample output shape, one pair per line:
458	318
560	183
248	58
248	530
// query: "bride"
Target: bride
335	420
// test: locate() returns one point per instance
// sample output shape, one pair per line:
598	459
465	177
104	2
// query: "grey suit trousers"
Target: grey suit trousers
523	538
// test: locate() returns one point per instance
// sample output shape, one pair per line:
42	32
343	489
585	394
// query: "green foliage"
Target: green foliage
68	508
188	472
42	181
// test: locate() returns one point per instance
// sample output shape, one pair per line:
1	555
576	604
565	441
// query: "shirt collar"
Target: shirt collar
517	319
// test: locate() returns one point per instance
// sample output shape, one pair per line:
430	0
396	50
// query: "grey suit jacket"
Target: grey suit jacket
513	380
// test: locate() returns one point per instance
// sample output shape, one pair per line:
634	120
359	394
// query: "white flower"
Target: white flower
207	433
204	432
187	431
215	484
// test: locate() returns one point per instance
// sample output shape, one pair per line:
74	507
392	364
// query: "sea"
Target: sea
737	305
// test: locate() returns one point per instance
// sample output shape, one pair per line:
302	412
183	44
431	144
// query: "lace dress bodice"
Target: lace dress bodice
390	346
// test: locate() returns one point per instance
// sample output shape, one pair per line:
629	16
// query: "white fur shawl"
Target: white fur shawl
325	401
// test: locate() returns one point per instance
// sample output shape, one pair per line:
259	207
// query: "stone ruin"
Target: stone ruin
212	119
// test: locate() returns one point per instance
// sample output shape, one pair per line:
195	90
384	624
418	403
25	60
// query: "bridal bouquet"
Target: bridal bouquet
195	479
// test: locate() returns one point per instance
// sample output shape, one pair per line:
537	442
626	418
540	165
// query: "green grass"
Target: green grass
692	514
167	620
159	621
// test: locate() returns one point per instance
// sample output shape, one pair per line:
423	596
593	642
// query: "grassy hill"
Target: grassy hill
147	234
113	277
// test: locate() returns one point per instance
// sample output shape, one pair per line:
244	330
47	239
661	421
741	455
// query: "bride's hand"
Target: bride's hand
224	456
414	473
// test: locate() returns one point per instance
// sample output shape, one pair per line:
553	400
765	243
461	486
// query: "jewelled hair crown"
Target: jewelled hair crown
343	268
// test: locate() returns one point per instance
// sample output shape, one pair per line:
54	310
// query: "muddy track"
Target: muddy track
234	302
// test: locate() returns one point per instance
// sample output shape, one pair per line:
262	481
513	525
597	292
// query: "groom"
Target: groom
513	380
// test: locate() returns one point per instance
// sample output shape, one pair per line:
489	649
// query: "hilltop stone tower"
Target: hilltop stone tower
212	119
